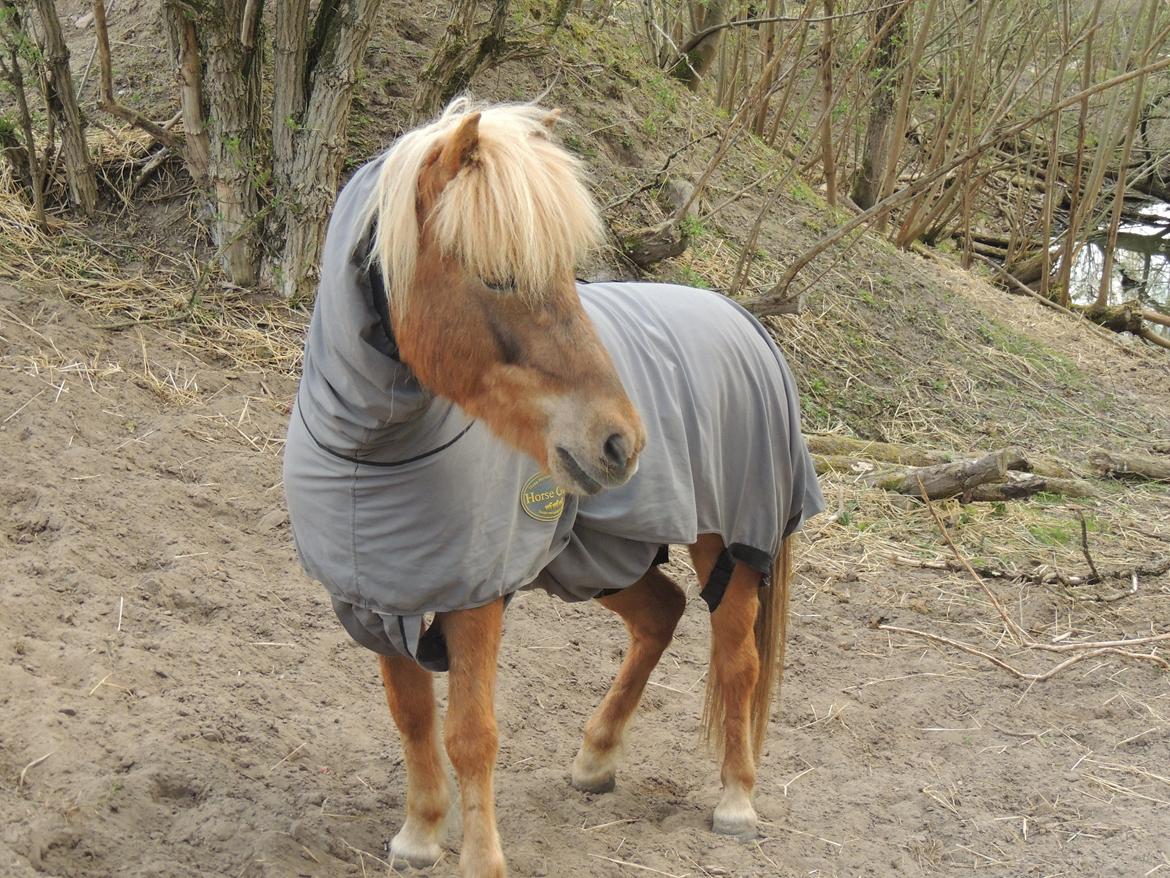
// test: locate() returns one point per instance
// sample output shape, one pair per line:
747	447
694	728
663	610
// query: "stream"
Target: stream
1141	265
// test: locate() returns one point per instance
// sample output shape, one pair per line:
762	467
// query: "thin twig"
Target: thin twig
1085	546
1023	675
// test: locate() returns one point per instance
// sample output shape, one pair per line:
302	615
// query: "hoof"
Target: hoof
408	851
602	784
740	822
593	772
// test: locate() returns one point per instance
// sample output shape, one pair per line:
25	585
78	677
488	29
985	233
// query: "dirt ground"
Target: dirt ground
177	699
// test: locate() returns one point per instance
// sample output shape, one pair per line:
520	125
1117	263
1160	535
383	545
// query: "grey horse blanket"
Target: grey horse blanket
401	505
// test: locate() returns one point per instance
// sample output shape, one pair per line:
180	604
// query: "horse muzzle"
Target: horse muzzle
580	474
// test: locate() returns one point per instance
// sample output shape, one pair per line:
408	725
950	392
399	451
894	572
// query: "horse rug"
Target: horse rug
401	505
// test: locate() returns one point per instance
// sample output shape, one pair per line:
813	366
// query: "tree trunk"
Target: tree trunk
828	151
897	140
693	66
232	81
459	55
867	184
768	72
319	143
184	44
27	163
1131	128
290	51
17	156
108	103
62	102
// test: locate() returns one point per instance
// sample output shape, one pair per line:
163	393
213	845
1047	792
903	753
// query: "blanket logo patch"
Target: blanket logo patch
542	499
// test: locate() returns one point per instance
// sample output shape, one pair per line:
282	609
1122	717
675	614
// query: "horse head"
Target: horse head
481	219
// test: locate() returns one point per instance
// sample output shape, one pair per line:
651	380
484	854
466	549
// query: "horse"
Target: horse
451	352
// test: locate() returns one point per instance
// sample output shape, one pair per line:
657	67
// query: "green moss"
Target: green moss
690	277
693	227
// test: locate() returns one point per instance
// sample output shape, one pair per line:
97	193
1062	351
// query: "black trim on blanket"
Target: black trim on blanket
390	463
382	306
757	559
379	296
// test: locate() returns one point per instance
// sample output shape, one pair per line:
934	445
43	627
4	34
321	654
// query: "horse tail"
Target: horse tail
771	637
771	632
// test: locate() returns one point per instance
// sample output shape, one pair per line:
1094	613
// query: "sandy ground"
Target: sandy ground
176	699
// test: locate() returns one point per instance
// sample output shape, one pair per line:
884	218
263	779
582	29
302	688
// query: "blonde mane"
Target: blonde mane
519	212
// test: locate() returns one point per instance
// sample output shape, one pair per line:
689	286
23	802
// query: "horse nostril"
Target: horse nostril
617	451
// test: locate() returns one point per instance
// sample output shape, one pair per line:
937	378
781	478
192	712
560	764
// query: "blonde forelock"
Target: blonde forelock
518	211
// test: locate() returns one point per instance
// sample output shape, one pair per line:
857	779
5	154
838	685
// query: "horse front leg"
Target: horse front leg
410	694
651	608
473	645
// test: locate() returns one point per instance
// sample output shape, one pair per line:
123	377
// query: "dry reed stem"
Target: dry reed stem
24	771
638	866
288	756
1036	678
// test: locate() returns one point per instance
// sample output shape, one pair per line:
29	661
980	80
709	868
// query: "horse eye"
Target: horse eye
499	286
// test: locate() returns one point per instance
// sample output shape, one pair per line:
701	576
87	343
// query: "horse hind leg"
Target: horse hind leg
735	669
651	608
410	694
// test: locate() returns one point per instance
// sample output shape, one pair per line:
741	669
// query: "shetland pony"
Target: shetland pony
479	220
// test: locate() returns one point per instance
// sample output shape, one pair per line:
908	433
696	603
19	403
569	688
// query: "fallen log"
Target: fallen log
1130	466
1017	486
1016	286
655	243
939	480
1128	317
994	477
909	455
830	445
949	479
842	463
1029	267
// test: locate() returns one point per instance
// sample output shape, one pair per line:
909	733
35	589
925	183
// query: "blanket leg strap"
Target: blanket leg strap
432	649
717	582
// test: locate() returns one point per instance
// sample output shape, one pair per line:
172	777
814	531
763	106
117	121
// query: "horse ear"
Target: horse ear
459	150
551	118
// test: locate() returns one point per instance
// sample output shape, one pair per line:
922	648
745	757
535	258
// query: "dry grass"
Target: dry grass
183	299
